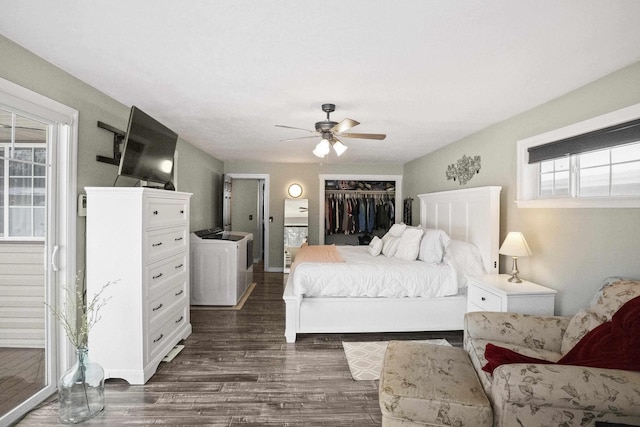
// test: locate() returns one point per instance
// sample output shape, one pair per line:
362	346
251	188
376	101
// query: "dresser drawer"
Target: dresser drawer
484	300
161	273
161	337
160	243
165	212
165	303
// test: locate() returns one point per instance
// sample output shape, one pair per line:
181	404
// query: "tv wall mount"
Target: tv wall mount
118	138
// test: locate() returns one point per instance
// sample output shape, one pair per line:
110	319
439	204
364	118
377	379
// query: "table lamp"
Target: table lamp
515	245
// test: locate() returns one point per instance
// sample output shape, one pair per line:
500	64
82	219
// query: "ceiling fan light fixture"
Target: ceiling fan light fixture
323	148
329	131
339	147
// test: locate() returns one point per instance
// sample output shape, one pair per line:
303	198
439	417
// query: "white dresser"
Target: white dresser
138	238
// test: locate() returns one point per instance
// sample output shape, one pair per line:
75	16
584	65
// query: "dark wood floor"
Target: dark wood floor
237	369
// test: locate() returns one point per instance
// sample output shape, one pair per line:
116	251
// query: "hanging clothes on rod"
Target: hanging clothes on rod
358	212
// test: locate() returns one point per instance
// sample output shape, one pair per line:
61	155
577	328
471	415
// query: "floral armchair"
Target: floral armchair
551	394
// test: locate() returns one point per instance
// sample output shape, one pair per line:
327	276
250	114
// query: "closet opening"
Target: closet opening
354	209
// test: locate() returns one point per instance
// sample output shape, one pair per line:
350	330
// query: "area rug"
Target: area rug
238	306
365	358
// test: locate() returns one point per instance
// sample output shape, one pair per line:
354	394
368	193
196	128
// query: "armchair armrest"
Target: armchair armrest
567	386
542	332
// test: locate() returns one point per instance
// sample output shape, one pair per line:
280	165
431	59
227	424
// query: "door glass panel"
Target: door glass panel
23	207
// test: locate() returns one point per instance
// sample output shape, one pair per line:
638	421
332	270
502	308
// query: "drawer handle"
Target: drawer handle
179	266
180	292
156	244
159	338
155	212
157	276
483	299
158	307
180	319
181	211
177	239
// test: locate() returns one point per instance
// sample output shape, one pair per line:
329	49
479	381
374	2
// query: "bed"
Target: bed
470	215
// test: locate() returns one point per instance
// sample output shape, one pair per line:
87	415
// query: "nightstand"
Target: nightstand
492	292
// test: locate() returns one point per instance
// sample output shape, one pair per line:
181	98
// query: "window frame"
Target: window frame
528	174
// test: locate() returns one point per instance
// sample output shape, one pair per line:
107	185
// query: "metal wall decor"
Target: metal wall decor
464	169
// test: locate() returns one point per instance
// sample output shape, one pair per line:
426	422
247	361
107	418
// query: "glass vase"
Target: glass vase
81	390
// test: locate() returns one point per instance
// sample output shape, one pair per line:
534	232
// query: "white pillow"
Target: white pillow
390	245
464	258
375	246
432	246
396	230
409	246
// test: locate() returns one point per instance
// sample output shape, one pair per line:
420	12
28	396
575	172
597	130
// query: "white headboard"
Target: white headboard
471	215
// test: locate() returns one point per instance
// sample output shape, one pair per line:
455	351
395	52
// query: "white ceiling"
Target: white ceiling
425	72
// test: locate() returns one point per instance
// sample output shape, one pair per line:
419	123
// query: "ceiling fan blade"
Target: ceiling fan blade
299	138
346	124
291	127
378	136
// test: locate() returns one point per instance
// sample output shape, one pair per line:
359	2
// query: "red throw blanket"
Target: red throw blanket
614	344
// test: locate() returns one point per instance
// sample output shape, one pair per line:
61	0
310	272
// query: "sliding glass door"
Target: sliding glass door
33	229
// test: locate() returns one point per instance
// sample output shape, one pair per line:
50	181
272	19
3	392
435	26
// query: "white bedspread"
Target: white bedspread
362	275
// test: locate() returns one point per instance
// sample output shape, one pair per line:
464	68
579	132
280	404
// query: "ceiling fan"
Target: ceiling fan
330	131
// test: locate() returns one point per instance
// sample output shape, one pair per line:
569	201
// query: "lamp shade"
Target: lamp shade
515	245
322	149
339	147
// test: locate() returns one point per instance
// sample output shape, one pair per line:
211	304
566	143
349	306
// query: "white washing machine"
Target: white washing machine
221	266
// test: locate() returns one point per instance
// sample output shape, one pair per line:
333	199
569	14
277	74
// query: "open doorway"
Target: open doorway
246	207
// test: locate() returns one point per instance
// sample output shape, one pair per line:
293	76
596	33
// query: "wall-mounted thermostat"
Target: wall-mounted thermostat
82	205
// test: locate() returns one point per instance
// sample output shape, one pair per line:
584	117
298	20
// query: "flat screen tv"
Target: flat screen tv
149	148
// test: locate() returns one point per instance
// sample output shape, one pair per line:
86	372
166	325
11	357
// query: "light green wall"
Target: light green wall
198	172
281	175
202	175
573	249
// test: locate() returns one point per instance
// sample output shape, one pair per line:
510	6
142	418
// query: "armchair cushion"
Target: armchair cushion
531	393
